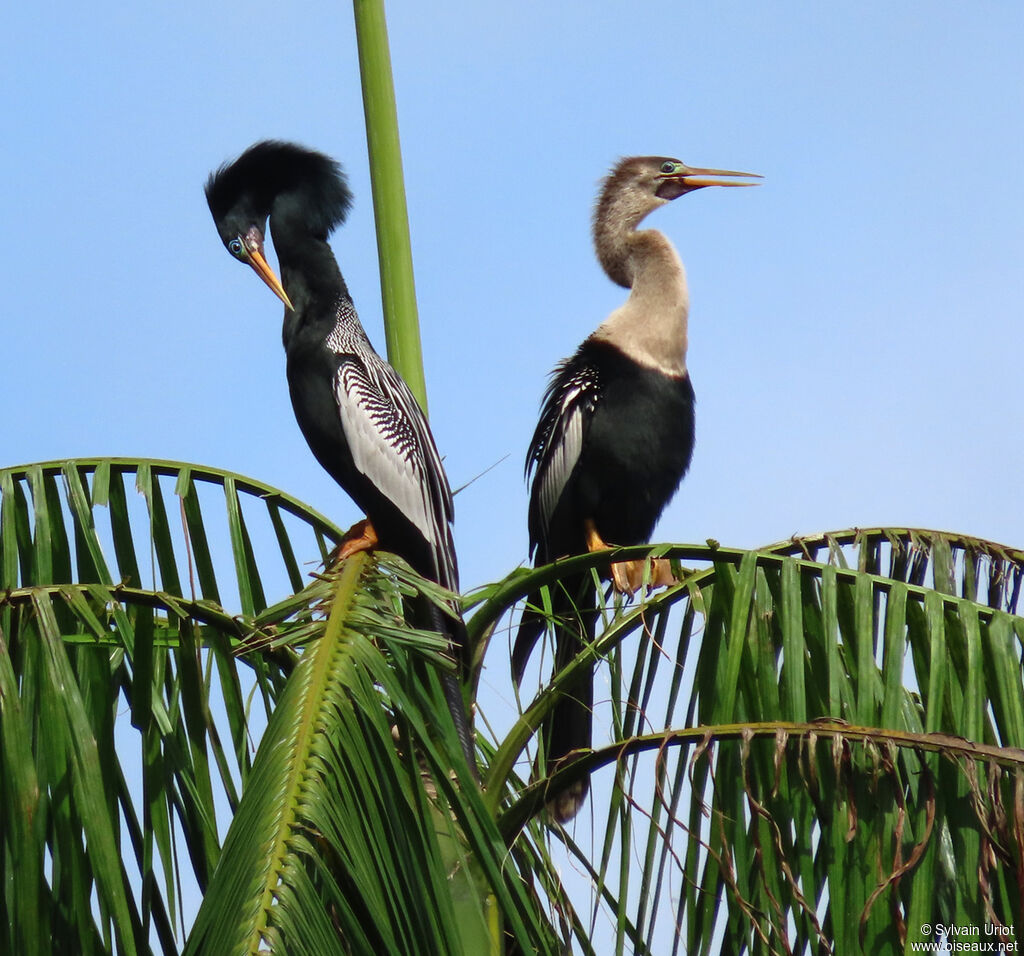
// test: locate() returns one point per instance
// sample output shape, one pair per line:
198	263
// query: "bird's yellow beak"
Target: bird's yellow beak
262	268
696	178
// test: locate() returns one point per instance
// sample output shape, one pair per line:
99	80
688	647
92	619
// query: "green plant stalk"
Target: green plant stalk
394	248
397	284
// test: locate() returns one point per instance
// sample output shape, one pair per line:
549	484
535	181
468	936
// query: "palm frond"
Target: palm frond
112	602
725	809
338	845
813	747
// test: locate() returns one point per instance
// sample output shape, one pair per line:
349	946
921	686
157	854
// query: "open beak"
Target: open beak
255	258
696	178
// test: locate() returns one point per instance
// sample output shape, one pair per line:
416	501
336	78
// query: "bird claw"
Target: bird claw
360	537
630	576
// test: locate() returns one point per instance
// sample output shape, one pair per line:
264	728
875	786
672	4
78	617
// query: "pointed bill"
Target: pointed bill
262	268
697	177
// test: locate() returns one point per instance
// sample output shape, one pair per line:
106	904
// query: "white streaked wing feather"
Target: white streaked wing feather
570	402
379	417
562	453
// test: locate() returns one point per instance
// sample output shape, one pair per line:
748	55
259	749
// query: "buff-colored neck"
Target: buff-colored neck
650	326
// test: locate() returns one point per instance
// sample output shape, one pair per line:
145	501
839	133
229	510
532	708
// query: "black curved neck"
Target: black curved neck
309	272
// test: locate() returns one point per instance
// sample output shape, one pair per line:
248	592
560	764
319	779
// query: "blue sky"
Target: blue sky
856	322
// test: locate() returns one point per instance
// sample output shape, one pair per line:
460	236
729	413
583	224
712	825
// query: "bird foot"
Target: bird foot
360	537
629	576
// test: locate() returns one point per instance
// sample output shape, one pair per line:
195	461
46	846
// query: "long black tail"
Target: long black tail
454	630
569	726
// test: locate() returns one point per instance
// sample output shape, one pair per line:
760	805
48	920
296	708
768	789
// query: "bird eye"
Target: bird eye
236	248
668	166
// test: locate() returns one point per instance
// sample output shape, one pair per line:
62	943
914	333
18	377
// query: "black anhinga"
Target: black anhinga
615	434
359	417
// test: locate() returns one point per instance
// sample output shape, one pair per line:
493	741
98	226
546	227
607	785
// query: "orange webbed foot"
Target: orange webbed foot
360	537
629	576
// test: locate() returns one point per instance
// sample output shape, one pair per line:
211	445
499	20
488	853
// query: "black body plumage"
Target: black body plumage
636	436
361	421
616	431
613	442
367	431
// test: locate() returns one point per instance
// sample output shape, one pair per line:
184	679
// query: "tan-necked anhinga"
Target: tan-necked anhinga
615	434
359	417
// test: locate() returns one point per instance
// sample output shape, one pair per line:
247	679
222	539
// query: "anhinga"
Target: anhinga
359	417
615	434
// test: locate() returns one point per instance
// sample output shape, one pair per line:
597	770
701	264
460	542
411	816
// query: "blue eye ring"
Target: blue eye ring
668	166
237	248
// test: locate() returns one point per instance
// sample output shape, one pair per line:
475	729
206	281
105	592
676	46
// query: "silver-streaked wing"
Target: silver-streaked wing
558	441
392	446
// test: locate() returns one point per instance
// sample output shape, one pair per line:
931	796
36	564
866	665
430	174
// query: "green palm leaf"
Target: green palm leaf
341	839
812	747
782	771
353	836
110	603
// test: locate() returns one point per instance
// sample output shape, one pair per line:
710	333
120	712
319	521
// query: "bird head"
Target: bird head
244	241
674	178
639	184
297	189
